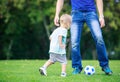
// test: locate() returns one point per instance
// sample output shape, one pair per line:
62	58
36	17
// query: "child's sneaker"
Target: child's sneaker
42	71
107	70
63	74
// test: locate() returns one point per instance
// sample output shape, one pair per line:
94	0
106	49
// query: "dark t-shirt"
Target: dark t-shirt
83	5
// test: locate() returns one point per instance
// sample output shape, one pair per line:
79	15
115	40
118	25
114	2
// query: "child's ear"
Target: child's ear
60	21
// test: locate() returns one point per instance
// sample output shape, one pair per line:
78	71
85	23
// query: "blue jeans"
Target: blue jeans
91	19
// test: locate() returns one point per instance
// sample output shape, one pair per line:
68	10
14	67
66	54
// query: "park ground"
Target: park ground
27	71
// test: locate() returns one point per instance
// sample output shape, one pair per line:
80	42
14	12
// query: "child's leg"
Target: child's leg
63	73
48	63
43	68
64	68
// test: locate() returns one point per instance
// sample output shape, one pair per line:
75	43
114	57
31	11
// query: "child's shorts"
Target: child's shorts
58	58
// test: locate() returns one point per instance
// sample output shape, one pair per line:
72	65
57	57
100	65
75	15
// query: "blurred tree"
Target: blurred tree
26	25
22	23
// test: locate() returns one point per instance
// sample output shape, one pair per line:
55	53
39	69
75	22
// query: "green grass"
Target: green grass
27	71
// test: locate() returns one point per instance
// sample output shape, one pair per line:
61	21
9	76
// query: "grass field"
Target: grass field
27	71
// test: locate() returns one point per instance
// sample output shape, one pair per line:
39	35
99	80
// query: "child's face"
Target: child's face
68	24
65	21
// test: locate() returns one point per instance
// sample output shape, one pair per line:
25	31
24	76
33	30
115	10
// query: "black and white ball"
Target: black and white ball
89	70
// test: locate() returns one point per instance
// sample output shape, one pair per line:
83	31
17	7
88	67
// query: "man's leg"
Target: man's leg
76	29
93	23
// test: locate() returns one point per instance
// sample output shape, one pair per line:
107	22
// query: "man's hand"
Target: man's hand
59	6
56	20
100	11
102	21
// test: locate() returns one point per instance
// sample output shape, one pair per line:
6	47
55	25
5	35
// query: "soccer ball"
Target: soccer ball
89	70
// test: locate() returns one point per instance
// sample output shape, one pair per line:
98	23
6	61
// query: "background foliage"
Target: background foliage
25	26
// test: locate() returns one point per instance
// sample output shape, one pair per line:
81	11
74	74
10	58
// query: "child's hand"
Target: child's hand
62	46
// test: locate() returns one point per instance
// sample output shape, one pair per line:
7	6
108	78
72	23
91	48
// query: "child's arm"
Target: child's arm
60	42
50	38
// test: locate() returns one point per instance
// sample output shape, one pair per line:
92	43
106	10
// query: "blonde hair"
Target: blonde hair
65	20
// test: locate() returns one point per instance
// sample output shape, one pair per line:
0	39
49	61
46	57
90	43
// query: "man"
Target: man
84	11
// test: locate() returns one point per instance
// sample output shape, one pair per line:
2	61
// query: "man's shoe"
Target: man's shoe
42	71
76	71
107	70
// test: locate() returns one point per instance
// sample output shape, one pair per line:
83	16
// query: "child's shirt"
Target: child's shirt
54	43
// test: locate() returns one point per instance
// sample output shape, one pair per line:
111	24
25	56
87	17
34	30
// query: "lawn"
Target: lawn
27	71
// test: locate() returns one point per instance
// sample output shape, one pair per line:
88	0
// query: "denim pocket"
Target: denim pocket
93	13
76	15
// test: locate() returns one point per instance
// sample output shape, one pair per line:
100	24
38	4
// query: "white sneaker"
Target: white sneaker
63	74
42	71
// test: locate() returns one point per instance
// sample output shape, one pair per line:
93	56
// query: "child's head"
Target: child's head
65	21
